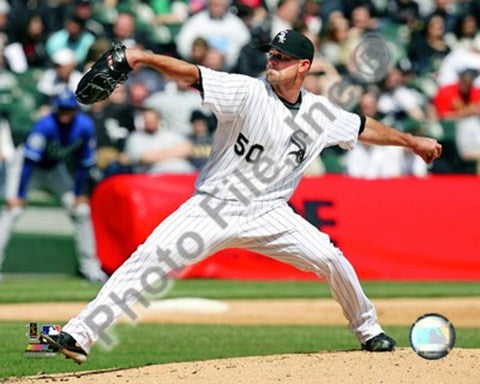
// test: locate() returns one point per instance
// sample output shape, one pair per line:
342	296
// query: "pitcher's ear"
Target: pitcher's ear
304	65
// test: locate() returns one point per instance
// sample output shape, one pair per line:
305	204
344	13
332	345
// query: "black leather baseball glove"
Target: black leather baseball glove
103	77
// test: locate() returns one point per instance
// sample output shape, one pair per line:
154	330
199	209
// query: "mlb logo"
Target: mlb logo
51	330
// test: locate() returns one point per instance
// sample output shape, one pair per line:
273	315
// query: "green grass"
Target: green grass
40	253
153	344
54	289
312	289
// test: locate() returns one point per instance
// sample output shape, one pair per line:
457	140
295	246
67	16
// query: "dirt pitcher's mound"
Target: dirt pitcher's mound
355	367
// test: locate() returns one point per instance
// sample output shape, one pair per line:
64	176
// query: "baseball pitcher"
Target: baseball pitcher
269	130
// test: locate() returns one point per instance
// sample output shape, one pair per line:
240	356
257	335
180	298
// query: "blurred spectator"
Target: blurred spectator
334	44
311	16
214	59
287	13
83	11
153	80
362	21
15	57
404	12
370	162
474	8
176	104
200	49
169	17
196	6
457	61
466	33
138	93
244	12
461	102
4	11
97	49
216	38
65	135
428	49
222	30
460	99
72	36
254	13
124	31
8	86
301	27
6	152
312	82
156	149
446	10
33	43
173	12
321	76
399	101
106	11
62	75
251	61
346	7
113	123
53	13
112	119
201	139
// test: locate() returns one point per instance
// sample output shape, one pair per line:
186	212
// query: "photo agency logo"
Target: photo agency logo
370	61
432	336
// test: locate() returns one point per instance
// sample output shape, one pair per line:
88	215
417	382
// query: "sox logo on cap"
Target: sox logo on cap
282	36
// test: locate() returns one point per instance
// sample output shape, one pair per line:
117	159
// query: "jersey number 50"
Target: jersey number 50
253	152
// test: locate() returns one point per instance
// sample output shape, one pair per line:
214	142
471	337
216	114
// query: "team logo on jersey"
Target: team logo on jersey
282	36
57	152
298	140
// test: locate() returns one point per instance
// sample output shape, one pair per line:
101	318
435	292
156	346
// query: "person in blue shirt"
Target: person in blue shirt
73	36
65	135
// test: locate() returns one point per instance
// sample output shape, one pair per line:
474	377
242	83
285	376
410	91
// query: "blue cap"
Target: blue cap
65	100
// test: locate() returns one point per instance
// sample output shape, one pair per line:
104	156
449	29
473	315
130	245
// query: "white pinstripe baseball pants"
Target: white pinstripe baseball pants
271	228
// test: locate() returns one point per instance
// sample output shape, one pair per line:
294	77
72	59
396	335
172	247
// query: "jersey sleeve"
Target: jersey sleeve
223	93
36	142
343	127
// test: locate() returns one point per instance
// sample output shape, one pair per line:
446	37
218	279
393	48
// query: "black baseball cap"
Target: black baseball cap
291	43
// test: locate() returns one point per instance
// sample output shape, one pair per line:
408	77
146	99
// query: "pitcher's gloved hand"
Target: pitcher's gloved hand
103	77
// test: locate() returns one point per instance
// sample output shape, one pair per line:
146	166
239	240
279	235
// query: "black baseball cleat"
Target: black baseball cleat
67	345
379	343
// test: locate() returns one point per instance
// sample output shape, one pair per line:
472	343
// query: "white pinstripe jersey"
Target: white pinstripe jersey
259	152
